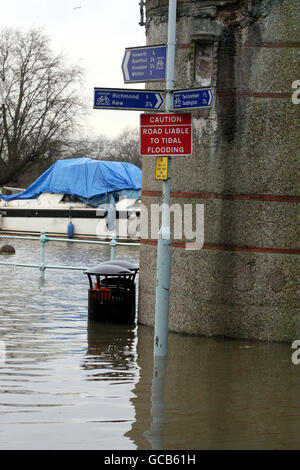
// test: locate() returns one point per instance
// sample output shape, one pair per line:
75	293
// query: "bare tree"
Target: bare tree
92	147
125	147
40	101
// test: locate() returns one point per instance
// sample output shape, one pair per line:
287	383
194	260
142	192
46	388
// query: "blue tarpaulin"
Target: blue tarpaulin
89	180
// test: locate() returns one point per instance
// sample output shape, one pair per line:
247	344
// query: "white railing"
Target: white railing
43	239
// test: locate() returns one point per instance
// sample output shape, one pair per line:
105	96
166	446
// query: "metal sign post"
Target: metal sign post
164	246
148	64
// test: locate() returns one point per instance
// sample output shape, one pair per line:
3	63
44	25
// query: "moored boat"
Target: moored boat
80	197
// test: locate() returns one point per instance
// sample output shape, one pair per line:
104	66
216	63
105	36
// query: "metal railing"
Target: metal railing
44	239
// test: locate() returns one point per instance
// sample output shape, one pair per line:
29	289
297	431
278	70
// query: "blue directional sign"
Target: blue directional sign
143	64
136	100
188	99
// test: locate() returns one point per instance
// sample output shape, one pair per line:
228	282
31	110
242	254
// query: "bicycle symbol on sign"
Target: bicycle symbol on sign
103	100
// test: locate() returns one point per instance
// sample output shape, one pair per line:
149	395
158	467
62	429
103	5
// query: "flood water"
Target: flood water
66	383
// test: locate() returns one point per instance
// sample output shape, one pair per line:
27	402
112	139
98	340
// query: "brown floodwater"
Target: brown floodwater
67	383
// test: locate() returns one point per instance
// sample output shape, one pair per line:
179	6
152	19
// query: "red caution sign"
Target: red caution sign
166	134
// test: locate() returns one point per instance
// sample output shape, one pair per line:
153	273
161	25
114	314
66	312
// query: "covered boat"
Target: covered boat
98	198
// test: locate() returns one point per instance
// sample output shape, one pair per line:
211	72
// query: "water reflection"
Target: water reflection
218	394
111	352
158	414
66	383
63	385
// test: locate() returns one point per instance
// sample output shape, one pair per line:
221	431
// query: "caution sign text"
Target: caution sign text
166	134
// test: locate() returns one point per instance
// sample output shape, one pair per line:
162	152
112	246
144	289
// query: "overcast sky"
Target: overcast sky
94	36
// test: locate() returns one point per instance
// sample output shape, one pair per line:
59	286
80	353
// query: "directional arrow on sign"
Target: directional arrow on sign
143	64
125	66
160	101
136	100
188	99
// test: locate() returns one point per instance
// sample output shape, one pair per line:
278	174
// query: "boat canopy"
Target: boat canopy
92	181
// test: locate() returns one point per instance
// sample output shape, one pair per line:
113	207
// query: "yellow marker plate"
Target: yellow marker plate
161	169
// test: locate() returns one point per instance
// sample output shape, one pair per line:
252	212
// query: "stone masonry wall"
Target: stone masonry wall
243	283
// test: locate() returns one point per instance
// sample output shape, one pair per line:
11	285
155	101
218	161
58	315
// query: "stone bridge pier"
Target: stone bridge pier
243	282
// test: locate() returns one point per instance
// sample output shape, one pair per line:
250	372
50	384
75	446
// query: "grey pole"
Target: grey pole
164	246
113	244
44	240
